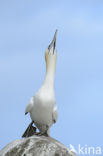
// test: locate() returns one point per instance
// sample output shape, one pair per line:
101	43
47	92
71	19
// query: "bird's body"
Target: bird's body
42	107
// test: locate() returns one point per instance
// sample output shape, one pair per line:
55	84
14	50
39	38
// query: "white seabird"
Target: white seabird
42	106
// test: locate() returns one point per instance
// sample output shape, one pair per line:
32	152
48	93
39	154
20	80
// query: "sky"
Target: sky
26	30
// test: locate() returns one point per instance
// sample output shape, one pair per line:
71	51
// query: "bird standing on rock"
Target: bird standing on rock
42	106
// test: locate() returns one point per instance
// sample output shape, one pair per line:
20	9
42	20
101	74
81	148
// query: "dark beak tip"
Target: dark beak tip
56	32
53	43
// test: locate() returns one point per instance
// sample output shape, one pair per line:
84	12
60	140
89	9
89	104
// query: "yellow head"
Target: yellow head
51	55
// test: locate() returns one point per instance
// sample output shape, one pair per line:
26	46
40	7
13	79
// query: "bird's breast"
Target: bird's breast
42	109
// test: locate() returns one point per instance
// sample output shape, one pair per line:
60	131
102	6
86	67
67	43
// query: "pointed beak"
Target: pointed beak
53	43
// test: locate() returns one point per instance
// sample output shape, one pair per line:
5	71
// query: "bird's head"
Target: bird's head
51	53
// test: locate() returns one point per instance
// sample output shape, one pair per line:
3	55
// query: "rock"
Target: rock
36	146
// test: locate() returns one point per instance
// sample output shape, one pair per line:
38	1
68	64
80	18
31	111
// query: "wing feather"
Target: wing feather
29	106
55	114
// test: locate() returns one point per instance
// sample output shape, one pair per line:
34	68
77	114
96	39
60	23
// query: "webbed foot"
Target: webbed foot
42	134
31	130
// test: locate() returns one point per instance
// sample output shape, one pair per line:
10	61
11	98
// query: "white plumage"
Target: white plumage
42	106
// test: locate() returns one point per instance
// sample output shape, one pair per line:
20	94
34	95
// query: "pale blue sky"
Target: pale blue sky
26	29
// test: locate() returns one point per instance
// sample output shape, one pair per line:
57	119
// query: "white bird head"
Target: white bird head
51	54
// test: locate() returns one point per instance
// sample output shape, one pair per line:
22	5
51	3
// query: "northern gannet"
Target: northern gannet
42	106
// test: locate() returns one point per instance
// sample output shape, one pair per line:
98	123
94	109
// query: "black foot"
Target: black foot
42	134
31	130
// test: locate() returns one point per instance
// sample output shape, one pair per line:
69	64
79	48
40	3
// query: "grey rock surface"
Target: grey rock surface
36	146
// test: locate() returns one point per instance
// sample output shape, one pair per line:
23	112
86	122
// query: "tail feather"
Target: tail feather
31	130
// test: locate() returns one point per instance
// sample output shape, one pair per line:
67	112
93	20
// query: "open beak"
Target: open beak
53	43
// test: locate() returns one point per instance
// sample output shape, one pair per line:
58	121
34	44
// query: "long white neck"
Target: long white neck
50	72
